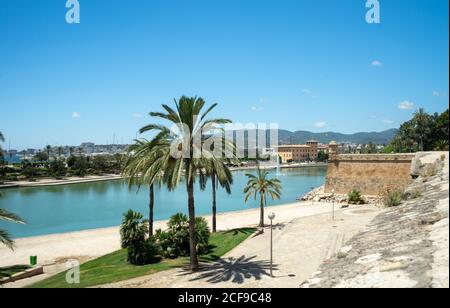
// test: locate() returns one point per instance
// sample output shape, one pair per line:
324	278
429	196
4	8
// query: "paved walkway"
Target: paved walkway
300	246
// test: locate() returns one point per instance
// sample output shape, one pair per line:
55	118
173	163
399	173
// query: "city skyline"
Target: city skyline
259	60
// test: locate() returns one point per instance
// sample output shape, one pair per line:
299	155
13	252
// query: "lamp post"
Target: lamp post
271	217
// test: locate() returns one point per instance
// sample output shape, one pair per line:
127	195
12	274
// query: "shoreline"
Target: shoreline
93	243
48	182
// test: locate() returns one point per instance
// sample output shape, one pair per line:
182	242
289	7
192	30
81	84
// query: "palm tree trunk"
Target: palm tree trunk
214	205
261	219
192	233
152	205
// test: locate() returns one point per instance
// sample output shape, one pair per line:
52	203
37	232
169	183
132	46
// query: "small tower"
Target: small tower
333	150
313	149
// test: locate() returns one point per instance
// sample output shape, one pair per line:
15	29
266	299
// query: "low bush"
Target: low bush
354	197
393	198
143	252
133	232
174	242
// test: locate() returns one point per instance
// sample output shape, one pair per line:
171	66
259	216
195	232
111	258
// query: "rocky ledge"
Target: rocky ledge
405	246
319	195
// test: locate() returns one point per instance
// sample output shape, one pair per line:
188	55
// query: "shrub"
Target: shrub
354	197
393	198
133	229
57	169
416	193
175	241
133	233
142	252
430	170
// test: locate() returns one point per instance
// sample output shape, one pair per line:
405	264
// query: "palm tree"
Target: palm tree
181	145
422	127
5	238
225	180
48	149
144	165
262	185
2	139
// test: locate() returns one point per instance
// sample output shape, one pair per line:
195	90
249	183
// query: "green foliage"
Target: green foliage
261	185
424	132
430	170
354	197
133	228
57	168
28	170
133	234
5	237
393	198
114	267
100	163
143	252
322	156
41	157
174	241
78	164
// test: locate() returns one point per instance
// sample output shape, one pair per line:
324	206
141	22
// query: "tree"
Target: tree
78	164
423	132
57	168
48	148
221	175
41	157
100	163
371	148
188	139
322	156
60	151
5	238
262	185
144	165
28	169
422	128
2	159
2	139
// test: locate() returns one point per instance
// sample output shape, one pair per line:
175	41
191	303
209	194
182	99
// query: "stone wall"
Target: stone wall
373	175
404	246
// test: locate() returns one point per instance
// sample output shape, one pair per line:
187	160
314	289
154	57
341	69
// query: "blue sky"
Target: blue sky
308	65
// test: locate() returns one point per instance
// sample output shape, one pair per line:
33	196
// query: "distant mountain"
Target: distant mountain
286	137
300	137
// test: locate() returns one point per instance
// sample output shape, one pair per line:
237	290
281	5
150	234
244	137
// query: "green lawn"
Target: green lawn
114	267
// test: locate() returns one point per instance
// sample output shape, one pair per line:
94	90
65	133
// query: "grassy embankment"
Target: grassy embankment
114	267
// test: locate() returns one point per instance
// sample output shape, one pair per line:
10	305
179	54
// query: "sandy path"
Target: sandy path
90	244
299	248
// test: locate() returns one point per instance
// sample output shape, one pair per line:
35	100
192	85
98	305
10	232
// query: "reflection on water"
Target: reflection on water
83	206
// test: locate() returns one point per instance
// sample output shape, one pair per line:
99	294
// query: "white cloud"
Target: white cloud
376	63
406	105
76	115
256	109
137	115
439	94
387	121
320	124
309	93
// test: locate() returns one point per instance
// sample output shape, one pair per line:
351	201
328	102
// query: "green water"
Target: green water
75	207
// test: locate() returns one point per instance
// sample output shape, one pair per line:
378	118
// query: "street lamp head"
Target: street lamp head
272	216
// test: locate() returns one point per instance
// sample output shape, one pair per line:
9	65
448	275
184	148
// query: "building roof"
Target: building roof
293	146
312	141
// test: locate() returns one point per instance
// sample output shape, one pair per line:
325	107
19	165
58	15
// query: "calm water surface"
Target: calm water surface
77	207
